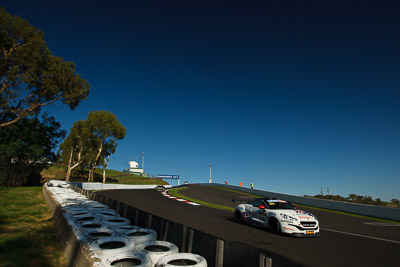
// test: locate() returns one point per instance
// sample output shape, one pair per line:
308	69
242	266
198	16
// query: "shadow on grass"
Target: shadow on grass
30	247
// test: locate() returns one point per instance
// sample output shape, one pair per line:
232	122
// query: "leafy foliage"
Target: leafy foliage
108	130
92	141
78	146
26	147
30	76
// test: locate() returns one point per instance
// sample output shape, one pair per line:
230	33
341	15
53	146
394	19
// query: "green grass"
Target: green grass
175	192
347	213
235	191
27	233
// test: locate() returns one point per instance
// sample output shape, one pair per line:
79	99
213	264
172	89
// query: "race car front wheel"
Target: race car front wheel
238	217
274	226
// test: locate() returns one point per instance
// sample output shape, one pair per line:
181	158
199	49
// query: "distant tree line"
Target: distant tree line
353	198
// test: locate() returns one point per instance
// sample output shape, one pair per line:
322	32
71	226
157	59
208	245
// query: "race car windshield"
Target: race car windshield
280	205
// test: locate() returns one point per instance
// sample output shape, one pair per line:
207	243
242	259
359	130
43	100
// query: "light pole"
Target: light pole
210	180
143	161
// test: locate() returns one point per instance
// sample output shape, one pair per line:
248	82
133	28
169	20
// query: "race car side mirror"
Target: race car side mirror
261	207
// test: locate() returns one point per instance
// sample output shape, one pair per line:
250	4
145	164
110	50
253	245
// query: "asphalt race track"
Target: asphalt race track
344	240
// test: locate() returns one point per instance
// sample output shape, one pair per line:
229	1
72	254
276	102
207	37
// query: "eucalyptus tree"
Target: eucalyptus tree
107	130
91	142
78	146
30	76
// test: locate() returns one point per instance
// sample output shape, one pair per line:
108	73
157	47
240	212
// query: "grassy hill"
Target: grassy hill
58	172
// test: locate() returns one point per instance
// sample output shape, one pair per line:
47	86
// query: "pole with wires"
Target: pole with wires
210	180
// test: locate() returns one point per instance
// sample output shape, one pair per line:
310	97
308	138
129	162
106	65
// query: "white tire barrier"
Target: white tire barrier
67	202
90	225
112	222
94	234
129	259
125	227
182	259
107	213
78	211
55	183
157	249
112	237
72	200
112	245
140	235
96	206
85	218
64	185
90	203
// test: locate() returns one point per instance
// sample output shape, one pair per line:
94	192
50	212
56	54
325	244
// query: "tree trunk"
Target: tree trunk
90	174
105	167
70	168
67	178
95	162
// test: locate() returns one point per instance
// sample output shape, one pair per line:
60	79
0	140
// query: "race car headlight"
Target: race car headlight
288	218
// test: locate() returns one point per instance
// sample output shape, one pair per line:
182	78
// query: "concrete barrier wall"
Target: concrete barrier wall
100	186
366	210
77	254
216	251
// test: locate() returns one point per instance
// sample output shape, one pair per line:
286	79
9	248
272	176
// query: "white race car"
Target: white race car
278	216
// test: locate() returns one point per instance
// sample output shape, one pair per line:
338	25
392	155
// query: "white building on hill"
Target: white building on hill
134	168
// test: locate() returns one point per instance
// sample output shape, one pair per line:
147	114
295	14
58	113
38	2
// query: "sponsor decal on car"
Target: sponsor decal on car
306	217
289	229
304	212
276	200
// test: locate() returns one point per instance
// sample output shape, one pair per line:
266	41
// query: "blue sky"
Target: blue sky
290	95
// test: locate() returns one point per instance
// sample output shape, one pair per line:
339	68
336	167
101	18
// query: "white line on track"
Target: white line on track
365	236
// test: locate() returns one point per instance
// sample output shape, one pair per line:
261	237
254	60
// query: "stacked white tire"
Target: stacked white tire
140	235
128	259
157	249
182	259
112	245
